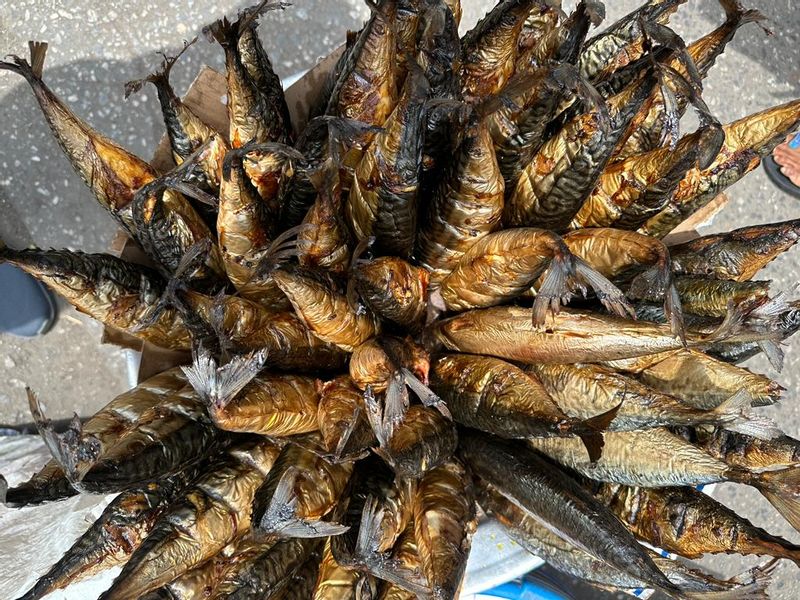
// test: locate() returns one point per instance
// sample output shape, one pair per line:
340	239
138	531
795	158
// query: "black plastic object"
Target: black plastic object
783	183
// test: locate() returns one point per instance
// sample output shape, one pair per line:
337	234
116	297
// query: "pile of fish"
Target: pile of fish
446	298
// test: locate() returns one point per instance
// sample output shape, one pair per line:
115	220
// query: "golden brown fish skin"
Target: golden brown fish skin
632	190
710	297
303	580
267	167
444	521
316	483
562	43
495	396
699	380
690	523
466	205
489	50
242	222
119	294
246	326
406	554
375	361
613	252
737	255
114	536
341	419
106	426
540	20
324	240
334	582
746	142
211	515
186	131
568	337
424	440
584	391
272	405
745	451
393	289
383	198
406	23
326	311
112	173
367	86
622	42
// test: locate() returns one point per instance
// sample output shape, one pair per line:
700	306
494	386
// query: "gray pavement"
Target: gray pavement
96	46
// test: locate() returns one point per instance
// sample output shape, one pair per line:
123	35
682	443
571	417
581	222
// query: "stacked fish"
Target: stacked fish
374	306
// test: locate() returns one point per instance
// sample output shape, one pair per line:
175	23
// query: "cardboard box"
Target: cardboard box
206	97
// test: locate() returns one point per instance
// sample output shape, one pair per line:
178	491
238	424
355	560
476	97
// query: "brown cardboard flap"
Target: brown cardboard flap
687	230
305	93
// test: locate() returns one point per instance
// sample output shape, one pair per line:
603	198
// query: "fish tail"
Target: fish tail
73	450
556	289
655	283
395	404
609	294
375	416
591	431
281	518
782	490
31	71
282	248
159	78
219	385
424	393
344	440
737	14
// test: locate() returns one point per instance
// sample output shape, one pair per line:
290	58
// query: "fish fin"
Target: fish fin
74	451
737	408
31	71
757	426
435	306
369	529
280	518
38	52
223	32
219	385
375	416
782	490
609	294
161	76
283	247
774	353
424	393
594	442
395	404
674	310
738	14
603	421
556	288
339	451
731	324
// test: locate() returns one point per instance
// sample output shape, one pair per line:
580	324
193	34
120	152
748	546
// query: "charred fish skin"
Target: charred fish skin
212	514
342	421
444	521
690	523
114	536
577	515
112	173
393	289
117	293
737	255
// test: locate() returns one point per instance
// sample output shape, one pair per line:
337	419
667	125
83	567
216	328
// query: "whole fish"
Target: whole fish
256	107
444	521
114	536
366	88
657	458
565	170
489	50
383	198
746	142
98	433
421	441
325	310
623	42
497	397
186	131
211	515
744	451
466	205
616	253
711	297
504	264
690	523
111	172
560	503
300	490
117	293
568	337
267	573
393	289
269	404
570	559
585	391
342	419
737	255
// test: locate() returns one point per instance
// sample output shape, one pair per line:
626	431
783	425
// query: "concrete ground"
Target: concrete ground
97	46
